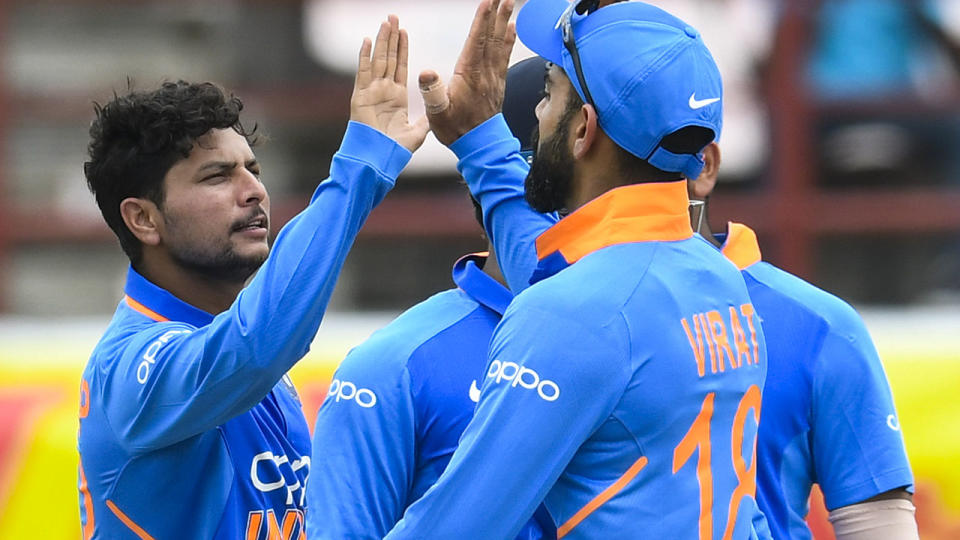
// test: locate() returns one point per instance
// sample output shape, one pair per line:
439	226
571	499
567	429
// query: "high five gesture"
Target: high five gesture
475	92
380	91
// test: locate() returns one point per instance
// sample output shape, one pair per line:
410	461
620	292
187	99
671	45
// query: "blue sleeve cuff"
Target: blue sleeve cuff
493	130
881	483
364	143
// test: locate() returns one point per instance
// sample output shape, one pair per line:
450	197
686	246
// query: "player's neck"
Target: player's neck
701	217
492	267
200	291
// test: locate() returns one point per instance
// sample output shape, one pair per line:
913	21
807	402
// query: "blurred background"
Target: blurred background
841	148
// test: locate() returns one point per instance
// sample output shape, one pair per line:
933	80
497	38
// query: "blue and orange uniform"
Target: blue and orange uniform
188	422
828	413
622	386
398	405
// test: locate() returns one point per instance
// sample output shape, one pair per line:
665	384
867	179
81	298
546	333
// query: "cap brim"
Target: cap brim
538	27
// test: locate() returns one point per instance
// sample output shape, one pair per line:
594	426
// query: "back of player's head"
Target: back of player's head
136	138
524	90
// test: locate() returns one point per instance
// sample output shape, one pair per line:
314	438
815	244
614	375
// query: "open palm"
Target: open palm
380	91
475	91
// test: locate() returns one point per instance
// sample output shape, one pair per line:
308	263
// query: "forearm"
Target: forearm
892	519
290	293
490	162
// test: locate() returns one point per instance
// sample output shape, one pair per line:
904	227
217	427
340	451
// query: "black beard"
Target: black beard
224	266
547	186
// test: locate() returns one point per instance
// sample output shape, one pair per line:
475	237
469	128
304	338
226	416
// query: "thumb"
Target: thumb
417	134
434	92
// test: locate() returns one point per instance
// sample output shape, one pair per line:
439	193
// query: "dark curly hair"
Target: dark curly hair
136	138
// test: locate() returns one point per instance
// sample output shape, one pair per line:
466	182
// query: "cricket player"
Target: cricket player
828	414
399	401
624	386
189	426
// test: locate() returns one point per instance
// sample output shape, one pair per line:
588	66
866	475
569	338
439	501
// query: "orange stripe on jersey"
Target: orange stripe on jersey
636	213
88	525
140	308
84	398
128	522
741	246
602	498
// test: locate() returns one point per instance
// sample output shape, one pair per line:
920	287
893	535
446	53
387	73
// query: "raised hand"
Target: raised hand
475	92
380	91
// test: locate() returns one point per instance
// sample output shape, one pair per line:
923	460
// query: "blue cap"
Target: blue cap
649	74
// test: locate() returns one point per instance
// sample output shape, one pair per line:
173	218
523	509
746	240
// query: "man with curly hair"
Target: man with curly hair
189	426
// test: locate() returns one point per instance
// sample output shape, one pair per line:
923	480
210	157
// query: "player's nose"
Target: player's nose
252	190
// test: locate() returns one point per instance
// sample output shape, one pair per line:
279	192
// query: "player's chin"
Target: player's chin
252	250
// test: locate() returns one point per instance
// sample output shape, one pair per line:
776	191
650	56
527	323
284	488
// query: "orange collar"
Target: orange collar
741	246
654	212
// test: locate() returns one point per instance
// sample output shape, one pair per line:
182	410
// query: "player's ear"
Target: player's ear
702	187
585	130
143	219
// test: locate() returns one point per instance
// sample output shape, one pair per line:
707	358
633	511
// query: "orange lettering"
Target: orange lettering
711	345
698	347
739	339
254	521
746	477
698	437
748	312
719	331
292	521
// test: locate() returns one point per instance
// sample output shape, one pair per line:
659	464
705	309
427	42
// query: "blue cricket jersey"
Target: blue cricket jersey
189	426
828	414
397	406
623	391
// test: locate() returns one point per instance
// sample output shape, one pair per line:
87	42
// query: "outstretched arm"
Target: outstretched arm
465	115
199	378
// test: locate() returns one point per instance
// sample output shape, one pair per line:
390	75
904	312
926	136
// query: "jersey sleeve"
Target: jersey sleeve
549	385
490	162
364	448
171	381
858	449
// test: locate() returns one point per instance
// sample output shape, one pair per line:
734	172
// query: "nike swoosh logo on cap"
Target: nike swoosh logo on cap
700	103
474	392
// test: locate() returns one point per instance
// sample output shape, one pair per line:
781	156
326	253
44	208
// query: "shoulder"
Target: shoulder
598	283
780	287
567	310
795	311
389	350
132	338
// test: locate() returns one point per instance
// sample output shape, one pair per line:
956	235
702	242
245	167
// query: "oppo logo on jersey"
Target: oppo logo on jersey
150	356
267	475
347	391
524	378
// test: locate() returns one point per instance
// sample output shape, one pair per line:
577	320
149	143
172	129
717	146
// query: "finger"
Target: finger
421	127
473	47
392	46
434	93
380	51
502	21
363	65
403	51
492	22
509	40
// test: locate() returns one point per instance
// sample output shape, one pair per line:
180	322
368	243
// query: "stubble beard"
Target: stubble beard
214	261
